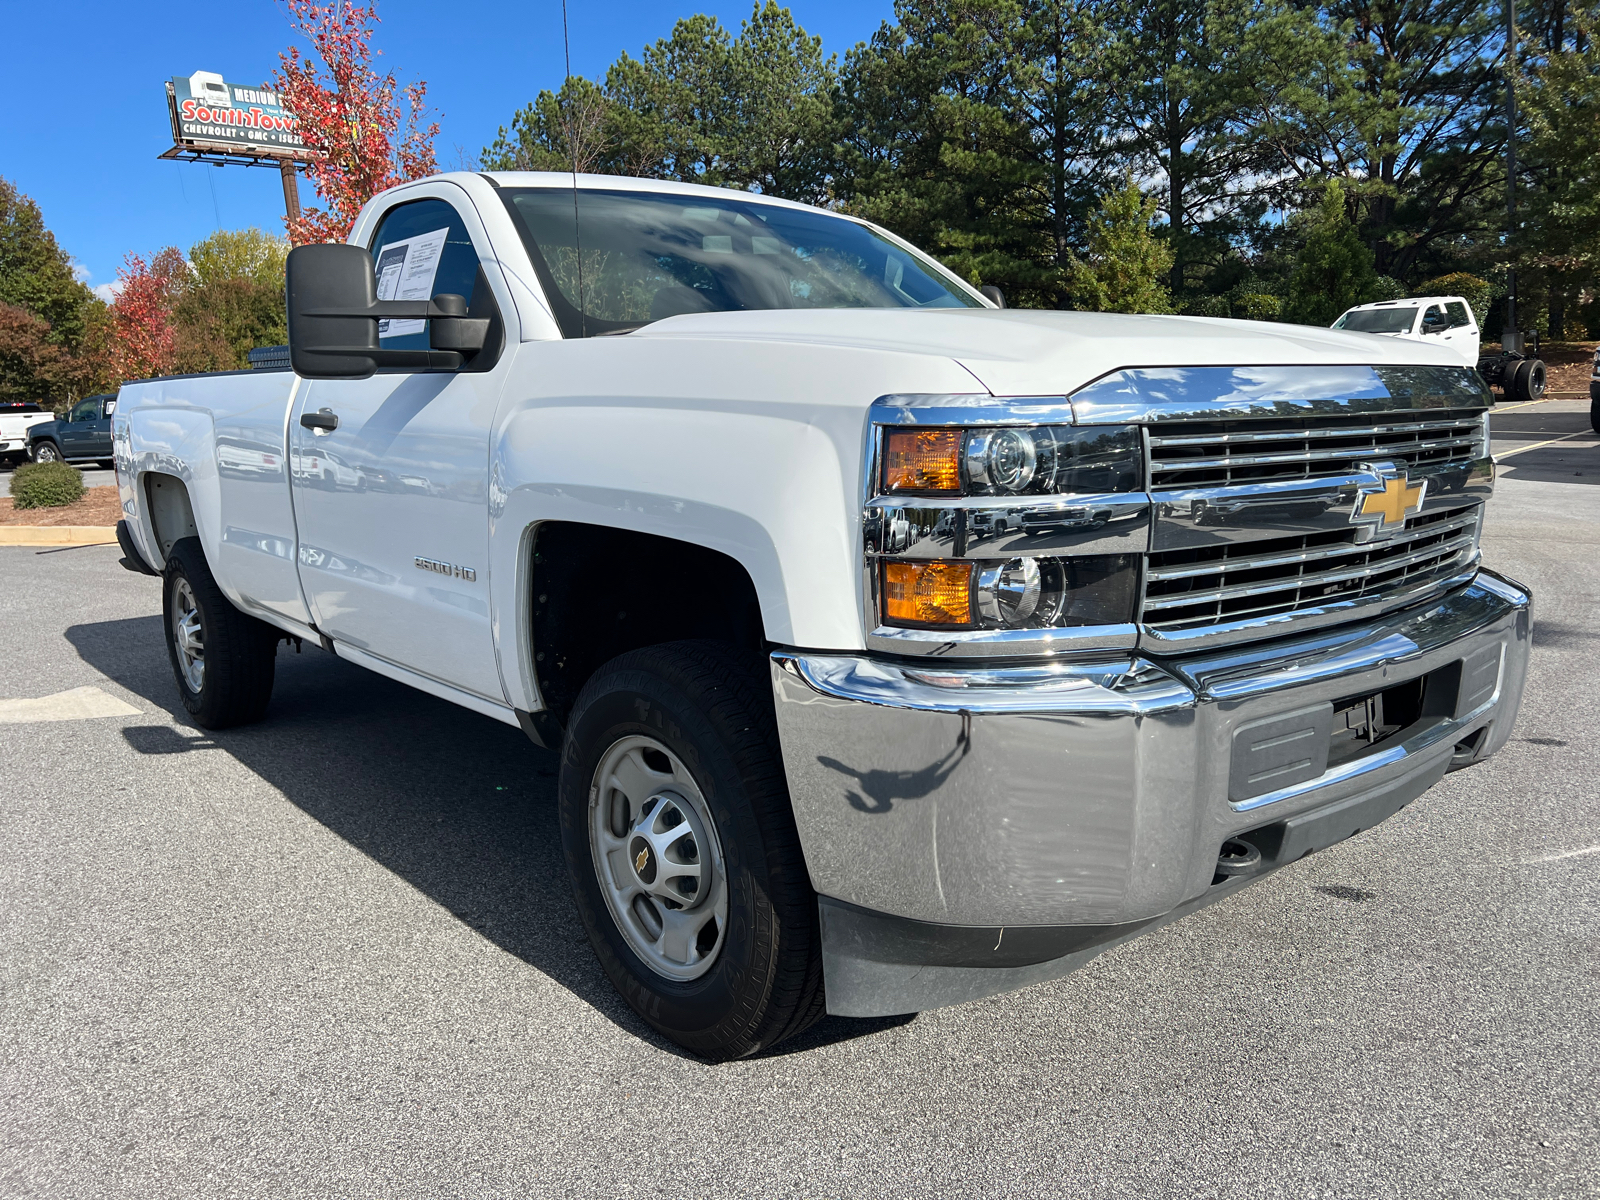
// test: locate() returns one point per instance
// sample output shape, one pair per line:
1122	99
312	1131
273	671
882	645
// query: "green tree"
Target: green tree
240	254
970	130
701	105
1400	99
55	344
231	301
1187	66
1558	246
1335	267
1127	262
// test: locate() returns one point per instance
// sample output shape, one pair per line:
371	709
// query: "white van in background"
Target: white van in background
1442	320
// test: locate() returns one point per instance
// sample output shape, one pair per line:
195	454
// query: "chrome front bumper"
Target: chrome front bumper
938	803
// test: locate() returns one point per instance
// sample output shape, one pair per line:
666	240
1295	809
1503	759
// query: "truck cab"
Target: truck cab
82	435
1438	320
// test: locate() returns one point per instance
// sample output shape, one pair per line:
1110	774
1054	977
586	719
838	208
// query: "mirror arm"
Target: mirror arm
427	360
386	310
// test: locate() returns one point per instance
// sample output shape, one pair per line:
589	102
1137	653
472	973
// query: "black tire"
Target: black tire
235	681
46	451
711	709
1594	414
1531	379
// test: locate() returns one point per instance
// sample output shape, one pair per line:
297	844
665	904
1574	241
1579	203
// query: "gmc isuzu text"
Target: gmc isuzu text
899	649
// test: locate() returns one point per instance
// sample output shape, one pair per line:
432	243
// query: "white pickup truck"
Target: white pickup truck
16	419
899	649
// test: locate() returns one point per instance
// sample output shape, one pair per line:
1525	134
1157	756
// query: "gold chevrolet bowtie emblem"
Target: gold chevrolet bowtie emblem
639	862
1389	500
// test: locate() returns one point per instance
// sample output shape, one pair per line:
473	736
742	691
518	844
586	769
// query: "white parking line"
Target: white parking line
79	704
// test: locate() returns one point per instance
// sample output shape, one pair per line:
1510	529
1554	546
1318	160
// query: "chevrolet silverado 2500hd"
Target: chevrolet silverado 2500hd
899	649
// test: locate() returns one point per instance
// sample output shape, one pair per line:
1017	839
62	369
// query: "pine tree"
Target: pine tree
1334	269
1127	263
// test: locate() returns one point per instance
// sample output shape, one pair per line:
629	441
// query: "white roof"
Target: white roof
629	183
1410	301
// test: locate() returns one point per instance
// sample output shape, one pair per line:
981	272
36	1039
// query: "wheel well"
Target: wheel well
171	514
599	592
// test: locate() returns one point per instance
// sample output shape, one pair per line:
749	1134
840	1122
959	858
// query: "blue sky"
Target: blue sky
86	111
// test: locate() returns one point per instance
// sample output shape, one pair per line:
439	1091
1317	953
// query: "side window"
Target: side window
1460	318
421	249
87	409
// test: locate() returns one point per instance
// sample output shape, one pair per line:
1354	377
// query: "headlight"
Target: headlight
1012	460
1017	593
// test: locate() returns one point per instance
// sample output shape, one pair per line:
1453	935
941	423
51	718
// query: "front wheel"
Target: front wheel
47	452
221	658
682	850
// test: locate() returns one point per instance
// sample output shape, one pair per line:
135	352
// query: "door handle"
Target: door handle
323	419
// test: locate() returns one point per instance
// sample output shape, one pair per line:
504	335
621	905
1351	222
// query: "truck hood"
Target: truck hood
1028	352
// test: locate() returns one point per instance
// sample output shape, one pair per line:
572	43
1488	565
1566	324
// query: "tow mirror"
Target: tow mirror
334	312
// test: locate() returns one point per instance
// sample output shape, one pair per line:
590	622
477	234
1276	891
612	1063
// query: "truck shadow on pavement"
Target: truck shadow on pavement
459	806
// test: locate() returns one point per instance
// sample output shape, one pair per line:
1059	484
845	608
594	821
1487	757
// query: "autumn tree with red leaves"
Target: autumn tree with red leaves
145	339
364	125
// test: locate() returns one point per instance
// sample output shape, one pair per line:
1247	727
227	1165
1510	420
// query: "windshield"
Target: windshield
647	256
1378	320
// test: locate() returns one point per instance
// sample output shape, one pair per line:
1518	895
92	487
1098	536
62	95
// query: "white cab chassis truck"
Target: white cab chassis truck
899	649
1448	322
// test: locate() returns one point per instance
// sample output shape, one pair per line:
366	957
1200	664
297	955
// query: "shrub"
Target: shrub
1476	292
45	485
1257	306
1387	288
1206	306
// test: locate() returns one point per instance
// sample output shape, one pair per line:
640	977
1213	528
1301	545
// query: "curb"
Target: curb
58	535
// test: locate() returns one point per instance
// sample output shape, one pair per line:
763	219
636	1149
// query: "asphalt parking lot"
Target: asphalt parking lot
334	955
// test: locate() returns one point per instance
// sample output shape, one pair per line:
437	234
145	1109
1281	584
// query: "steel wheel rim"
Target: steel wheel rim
188	635
657	858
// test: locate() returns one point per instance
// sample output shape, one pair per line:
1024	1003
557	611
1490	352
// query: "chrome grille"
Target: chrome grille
1196	454
1210	585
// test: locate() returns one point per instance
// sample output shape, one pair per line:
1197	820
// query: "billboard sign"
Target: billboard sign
210	114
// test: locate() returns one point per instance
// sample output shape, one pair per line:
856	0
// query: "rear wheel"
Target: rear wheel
1594	414
47	452
1526	380
221	658
681	845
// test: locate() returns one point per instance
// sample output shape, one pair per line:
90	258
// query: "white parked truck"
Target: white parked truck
899	649
1448	322
16	419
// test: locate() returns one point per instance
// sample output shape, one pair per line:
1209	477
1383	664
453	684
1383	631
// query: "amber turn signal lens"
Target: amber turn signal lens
922	460
927	593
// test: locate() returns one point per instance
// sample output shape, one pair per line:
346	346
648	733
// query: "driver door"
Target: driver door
77	432
391	472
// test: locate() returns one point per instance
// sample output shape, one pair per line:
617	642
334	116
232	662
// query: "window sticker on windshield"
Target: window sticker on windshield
405	271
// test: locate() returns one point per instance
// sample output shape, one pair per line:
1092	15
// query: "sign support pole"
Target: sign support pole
291	189
1510	339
